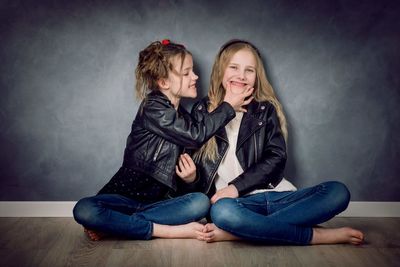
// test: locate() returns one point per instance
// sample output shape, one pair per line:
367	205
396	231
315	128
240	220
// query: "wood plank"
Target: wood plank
61	242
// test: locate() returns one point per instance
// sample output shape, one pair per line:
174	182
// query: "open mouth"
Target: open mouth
238	84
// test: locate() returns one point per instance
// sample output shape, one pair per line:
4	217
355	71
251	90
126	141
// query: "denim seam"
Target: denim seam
251	237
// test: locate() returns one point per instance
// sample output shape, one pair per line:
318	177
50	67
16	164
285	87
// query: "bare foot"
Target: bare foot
337	236
93	235
212	233
177	231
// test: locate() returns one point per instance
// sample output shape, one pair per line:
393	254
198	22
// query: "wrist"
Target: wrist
190	180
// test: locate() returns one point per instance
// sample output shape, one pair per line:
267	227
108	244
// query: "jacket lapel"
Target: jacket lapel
250	122
221	134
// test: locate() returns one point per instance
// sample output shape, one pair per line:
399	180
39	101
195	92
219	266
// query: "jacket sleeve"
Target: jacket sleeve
270	166
184	188
183	130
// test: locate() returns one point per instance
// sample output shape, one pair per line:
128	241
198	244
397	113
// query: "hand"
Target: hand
230	192
186	169
238	100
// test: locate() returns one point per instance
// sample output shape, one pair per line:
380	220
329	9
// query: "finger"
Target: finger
246	89
189	159
242	110
246	102
248	92
185	161
181	166
228	87
250	89
178	171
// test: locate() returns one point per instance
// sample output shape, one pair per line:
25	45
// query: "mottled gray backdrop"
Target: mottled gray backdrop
67	98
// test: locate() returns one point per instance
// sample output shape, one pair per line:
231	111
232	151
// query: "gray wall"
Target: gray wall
67	99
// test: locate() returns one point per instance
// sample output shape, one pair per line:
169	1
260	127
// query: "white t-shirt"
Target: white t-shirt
230	167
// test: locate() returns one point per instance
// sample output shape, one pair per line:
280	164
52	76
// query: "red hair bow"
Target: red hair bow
165	42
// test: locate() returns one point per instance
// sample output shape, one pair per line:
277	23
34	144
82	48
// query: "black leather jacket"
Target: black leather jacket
159	133
261	151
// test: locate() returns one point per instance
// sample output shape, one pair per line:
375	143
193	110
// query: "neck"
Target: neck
175	100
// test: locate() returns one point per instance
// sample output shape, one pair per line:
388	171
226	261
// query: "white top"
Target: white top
230	167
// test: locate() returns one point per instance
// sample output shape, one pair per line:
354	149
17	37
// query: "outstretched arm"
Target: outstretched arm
161	118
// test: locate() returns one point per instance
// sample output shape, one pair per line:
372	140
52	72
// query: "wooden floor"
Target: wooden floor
61	242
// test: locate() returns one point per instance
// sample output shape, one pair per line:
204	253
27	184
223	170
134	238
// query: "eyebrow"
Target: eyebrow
247	66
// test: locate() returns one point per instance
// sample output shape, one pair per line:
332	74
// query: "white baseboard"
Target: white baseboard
36	208
64	209
371	209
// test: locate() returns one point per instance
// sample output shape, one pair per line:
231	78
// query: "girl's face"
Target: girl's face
240	72
184	84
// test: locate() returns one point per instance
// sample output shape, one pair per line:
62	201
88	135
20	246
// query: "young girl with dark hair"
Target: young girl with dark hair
137	202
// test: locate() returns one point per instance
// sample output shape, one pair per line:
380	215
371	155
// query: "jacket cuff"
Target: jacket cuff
240	186
231	111
192	186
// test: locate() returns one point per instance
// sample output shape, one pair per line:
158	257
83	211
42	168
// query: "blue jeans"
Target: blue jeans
122	216
281	217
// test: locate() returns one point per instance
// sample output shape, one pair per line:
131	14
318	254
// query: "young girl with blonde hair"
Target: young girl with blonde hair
241	167
137	202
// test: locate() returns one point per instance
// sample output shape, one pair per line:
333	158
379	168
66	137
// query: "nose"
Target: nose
241	75
195	77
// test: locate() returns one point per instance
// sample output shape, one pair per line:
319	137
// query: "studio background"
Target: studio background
67	86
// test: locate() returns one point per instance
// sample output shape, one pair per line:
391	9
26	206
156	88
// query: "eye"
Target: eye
233	67
250	70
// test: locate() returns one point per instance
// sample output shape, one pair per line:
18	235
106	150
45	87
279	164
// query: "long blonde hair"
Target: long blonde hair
155	63
263	90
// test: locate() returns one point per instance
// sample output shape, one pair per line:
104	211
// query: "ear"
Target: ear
163	84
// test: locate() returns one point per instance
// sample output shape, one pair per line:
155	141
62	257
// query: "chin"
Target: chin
190	96
238	90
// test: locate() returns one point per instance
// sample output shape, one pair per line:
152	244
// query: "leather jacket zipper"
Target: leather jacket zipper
158	150
255	148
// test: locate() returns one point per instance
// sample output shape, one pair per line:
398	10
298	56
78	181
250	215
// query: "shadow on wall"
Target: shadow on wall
67	86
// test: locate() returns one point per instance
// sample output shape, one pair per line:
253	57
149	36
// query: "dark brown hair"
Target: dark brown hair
155	62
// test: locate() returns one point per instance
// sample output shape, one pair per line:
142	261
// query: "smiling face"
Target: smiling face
240	71
181	81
